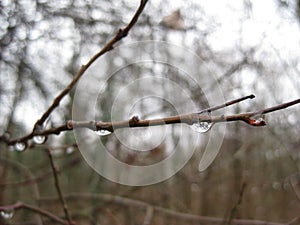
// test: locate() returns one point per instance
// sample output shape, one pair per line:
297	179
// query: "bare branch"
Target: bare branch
61	197
226	104
136	122
21	205
109	46
233	211
294	221
149	216
140	204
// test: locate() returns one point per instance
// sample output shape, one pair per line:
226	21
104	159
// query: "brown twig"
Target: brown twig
187	118
149	215
136	122
109	46
226	104
21	205
59	192
140	204
234	209
294	221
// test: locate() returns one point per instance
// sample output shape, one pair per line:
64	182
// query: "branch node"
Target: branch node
256	122
70	124
134	120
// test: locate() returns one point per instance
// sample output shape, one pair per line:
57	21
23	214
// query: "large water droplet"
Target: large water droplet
20	146
102	132
39	139
7	214
201	127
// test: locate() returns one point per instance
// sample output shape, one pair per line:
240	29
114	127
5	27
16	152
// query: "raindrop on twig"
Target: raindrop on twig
7	214
39	139
20	146
102	132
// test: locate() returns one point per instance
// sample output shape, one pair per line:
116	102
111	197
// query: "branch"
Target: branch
140	204
235	207
61	197
149	215
109	46
21	205
294	221
189	119
226	104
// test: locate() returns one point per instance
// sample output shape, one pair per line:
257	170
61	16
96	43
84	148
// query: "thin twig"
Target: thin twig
109	46
21	205
226	104
140	204
187	118
136	122
59	192
233	211
294	221
149	215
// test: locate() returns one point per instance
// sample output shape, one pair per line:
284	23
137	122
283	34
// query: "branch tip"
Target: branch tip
70	124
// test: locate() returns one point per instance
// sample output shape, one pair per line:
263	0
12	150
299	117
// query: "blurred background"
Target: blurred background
248	46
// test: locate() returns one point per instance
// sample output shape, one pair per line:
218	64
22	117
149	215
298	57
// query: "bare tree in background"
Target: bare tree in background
254	177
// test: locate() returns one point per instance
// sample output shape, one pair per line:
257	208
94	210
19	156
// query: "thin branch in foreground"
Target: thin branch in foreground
189	119
186	118
226	104
58	189
109	46
38	210
127	202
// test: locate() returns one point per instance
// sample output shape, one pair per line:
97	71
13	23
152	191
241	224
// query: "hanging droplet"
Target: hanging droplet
102	132
258	120
7	214
201	127
20	146
70	150
39	139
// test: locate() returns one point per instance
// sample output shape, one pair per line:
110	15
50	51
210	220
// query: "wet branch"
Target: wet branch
109	46
135	121
58	189
38	210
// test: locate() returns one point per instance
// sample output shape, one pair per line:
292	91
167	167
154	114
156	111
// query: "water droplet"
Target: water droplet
201	127
20	146
102	132
39	139
70	150
7	214
257	120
